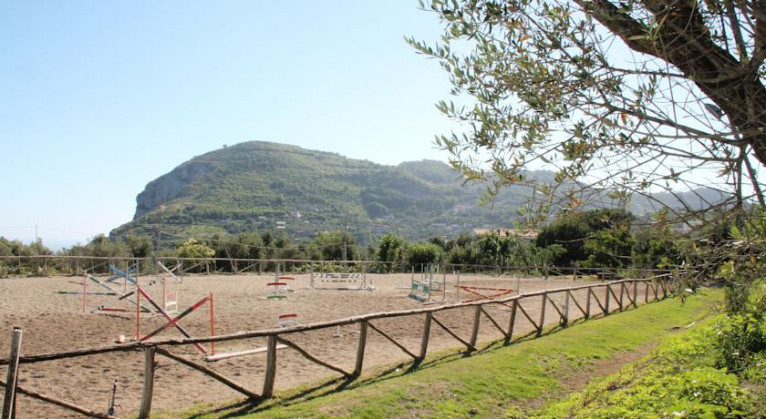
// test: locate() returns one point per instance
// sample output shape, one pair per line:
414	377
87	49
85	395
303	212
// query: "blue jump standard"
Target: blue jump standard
118	273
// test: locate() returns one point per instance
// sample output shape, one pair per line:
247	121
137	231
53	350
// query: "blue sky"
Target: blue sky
101	97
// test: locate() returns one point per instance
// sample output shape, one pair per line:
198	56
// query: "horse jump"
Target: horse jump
340	281
423	289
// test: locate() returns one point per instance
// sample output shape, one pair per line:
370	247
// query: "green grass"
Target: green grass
684	377
496	381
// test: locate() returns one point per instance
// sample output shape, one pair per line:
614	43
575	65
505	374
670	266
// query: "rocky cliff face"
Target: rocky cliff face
170	186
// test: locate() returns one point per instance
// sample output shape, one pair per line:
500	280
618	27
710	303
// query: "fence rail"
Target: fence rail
625	293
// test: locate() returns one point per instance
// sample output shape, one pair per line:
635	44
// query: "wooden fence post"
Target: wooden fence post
426	335
658	289
635	294
646	292
360	348
587	303
476	323
566	308
622	293
606	303
511	322
271	367
9	402
146	398
542	315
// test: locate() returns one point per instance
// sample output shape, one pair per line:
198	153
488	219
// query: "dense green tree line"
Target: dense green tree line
603	238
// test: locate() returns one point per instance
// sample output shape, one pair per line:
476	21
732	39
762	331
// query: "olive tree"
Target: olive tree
620	97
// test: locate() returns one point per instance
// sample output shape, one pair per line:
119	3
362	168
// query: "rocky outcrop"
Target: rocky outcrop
170	186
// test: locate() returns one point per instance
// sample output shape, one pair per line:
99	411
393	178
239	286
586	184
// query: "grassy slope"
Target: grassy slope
494	382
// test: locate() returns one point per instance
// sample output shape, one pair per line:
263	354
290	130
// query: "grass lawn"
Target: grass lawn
495	381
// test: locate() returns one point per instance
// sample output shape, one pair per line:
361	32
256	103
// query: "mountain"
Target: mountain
260	186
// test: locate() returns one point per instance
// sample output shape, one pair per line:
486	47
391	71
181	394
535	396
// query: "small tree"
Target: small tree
102	246
423	254
656	247
335	245
595	238
139	246
192	249
390	250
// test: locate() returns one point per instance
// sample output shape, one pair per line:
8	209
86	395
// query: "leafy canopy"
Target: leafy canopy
624	95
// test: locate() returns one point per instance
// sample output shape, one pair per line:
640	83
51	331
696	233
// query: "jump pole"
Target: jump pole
457	287
84	291
138	313
164	295
212	323
444	285
311	273
172	321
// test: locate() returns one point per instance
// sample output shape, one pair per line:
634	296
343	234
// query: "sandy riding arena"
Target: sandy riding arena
55	322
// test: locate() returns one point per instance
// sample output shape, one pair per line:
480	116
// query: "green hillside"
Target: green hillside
252	186
262	186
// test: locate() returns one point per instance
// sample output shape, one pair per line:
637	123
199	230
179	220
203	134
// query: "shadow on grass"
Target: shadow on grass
329	387
336	385
324	388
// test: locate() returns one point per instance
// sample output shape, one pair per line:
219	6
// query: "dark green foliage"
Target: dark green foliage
610	247
139	246
17	248
376	209
569	232
423	254
102	246
22	265
336	245
390	249
742	336
596	238
655	247
439	241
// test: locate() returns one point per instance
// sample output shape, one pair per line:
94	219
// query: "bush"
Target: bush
679	380
423	254
741	335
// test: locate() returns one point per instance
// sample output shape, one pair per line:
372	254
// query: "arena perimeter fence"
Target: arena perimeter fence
623	293
43	265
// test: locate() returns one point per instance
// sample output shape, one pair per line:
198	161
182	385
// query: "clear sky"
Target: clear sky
98	98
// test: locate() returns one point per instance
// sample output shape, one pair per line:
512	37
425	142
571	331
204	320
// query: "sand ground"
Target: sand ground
54	322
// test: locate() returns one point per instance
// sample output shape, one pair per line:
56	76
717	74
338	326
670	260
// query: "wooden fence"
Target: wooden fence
62	264
598	301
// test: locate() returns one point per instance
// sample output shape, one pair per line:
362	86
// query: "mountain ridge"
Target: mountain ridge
266	186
